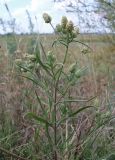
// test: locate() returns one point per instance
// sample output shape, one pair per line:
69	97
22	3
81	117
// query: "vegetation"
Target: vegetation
57	96
108	7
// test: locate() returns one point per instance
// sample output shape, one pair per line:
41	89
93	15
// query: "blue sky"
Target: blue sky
37	8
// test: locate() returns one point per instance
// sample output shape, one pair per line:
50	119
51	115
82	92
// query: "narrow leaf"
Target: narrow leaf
74	113
37	118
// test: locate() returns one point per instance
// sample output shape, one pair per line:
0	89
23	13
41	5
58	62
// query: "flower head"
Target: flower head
64	21
47	18
70	26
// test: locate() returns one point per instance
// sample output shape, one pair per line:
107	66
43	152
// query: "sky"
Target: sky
36	8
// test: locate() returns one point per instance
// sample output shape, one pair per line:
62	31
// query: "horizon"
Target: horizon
19	9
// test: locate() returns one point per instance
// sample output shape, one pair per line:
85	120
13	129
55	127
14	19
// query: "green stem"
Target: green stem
55	125
52	27
65	57
55	101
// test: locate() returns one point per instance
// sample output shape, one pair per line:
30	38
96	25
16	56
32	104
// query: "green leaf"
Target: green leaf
31	79
87	140
57	72
111	157
82	44
37	118
45	67
63	43
79	110
74	113
25	68
41	104
54	42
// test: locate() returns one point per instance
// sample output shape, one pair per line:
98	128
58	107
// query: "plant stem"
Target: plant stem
63	64
55	119
55	106
52	27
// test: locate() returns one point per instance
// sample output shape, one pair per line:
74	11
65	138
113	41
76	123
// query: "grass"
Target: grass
22	136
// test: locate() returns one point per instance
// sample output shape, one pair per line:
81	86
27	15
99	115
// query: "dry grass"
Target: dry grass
100	64
16	96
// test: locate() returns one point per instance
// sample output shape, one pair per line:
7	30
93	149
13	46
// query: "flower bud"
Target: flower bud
31	57
96	102
23	70
47	18
64	21
78	73
85	50
69	26
51	57
17	51
76	29
18	61
64	31
74	35
73	68
58	28
30	66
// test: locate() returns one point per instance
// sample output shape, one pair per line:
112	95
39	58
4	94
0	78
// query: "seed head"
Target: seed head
69	26
64	21
47	18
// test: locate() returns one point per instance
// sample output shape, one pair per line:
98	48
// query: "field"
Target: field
21	137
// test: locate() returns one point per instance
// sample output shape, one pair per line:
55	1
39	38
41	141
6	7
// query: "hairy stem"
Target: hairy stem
55	106
55	125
